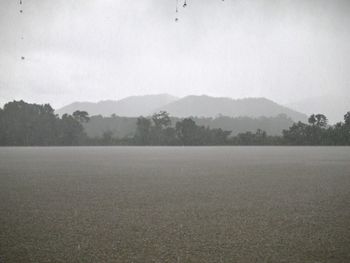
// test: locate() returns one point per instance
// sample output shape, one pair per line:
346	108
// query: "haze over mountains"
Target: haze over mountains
132	106
332	105
197	106
205	106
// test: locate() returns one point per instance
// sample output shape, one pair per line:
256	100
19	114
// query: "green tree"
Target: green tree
81	116
2	128
316	133
347	118
28	124
296	134
161	119
346	128
107	138
71	131
143	130
169	136
321	120
312	119
186	131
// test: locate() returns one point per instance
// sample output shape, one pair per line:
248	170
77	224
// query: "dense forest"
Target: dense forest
24	124
126	126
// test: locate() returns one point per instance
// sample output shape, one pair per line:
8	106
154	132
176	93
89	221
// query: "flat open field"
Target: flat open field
175	204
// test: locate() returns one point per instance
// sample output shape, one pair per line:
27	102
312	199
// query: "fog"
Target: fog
89	50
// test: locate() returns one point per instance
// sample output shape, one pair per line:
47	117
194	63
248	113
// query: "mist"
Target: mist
96	50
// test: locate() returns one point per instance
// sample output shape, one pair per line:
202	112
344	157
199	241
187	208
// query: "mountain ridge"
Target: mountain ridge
207	106
132	106
191	105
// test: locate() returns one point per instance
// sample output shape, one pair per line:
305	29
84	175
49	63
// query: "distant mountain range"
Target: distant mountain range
205	106
195	106
132	106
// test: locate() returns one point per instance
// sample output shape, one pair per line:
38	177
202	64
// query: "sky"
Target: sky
91	50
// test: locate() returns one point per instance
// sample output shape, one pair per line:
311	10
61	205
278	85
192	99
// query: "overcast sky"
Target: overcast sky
90	50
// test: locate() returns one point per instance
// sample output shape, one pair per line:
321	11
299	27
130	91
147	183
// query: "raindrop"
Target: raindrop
22	58
185	4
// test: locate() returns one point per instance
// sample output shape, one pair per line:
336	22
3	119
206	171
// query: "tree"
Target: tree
250	138
316	133
347	118
321	120
22	123
2	128
161	119
186	132
346	128
296	134
107	138
218	136
169	136
28	124
143	130
312	119
71	131
81	116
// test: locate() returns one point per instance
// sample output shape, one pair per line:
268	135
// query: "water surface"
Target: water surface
175	204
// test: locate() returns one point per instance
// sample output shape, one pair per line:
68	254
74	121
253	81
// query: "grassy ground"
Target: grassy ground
179	204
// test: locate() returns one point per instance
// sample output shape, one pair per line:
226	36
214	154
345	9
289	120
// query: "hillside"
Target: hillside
196	106
205	106
132	106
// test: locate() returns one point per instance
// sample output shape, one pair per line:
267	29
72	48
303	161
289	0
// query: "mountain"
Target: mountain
334	107
195	106
133	106
206	106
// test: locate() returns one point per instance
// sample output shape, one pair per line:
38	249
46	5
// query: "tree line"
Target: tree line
25	124
158	131
119	126
318	132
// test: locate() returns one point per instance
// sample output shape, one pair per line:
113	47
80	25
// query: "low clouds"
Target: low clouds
94	50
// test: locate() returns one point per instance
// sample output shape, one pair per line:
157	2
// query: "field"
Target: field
175	204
